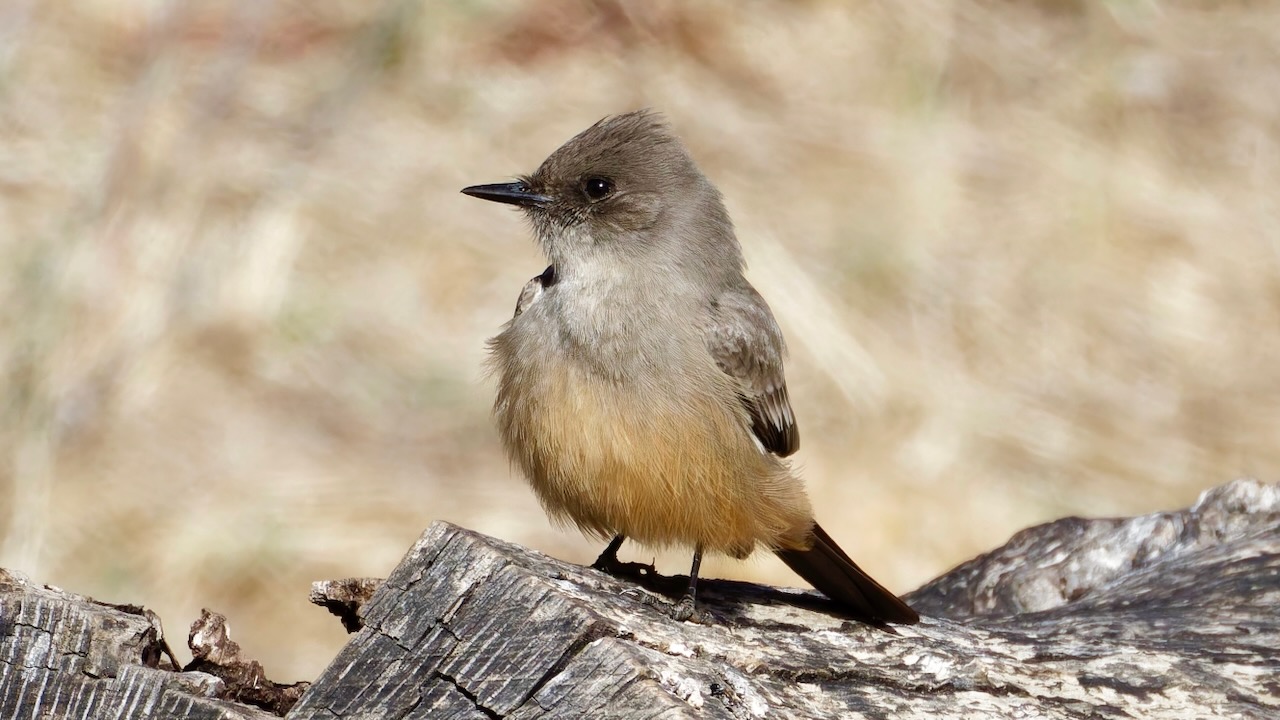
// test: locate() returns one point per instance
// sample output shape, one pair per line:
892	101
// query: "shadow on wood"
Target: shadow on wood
1169	615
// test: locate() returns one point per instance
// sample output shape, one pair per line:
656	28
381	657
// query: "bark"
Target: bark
1171	615
68	656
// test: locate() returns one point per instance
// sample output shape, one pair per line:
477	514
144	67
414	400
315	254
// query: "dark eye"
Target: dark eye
597	188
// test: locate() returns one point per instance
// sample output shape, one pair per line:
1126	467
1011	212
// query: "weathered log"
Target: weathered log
1170	615
65	656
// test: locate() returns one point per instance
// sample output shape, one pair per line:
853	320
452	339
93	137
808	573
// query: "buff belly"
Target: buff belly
670	465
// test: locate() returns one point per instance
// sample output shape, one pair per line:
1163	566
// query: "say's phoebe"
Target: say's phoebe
640	381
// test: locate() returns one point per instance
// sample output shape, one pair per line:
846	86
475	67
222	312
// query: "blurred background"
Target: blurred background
1026	256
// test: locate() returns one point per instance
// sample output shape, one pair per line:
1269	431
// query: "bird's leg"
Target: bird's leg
609	563
688	604
608	560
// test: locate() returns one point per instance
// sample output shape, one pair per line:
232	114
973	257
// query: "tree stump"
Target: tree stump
68	656
1171	615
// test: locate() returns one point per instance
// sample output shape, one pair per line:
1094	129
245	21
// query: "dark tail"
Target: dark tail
830	570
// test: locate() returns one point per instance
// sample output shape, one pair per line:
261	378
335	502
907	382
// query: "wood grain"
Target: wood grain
1170	615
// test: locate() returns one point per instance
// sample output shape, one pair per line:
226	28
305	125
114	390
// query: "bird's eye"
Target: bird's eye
597	188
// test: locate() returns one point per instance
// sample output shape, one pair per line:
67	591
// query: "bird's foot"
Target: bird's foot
686	609
617	568
683	610
609	563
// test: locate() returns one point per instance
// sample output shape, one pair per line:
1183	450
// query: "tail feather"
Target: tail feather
831	571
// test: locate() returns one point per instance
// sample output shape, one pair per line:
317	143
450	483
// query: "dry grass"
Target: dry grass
1026	255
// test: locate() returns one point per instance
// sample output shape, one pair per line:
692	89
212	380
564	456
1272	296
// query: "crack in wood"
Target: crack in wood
468	695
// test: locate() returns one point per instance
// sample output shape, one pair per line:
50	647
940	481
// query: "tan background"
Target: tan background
1026	256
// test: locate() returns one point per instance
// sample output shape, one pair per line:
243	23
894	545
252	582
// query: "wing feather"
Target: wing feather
747	343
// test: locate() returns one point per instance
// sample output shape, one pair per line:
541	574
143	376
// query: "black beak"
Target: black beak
516	193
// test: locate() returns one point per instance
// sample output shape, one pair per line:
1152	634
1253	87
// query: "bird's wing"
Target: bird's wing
747	343
533	289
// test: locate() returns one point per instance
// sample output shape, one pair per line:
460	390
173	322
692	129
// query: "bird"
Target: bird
640	383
